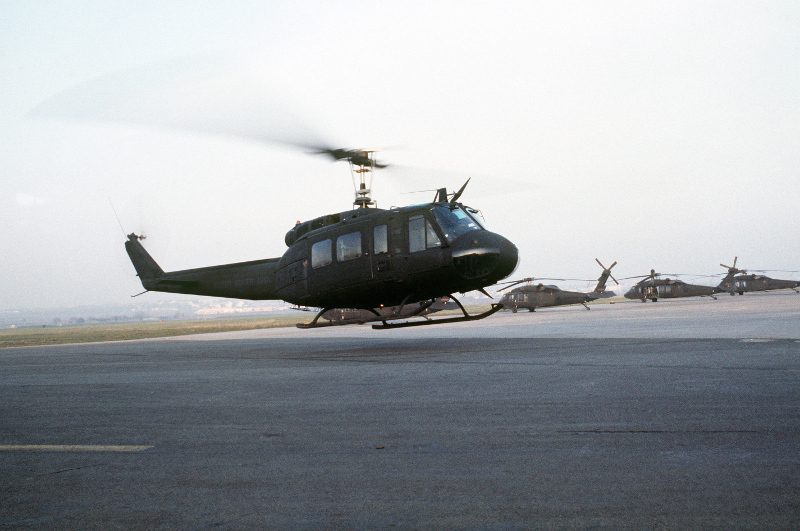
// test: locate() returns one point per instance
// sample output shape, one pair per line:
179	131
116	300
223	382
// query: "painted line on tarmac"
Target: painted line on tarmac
71	448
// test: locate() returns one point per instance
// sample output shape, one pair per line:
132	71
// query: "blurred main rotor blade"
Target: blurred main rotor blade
406	177
194	94
358	157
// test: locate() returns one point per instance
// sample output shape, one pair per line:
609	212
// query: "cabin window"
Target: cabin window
421	234
380	241
348	246
321	254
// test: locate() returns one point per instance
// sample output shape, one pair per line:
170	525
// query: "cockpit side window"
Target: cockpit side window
431	236
421	234
454	221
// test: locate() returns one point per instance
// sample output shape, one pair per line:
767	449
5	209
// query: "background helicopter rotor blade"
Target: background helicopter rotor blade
652	275
531	279
512	283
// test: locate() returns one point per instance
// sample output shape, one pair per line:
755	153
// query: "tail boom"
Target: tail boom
253	280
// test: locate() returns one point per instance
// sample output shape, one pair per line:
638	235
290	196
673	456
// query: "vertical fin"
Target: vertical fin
145	266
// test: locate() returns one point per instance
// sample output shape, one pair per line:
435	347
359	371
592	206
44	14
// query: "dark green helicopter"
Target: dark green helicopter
653	288
363	259
360	259
543	296
737	281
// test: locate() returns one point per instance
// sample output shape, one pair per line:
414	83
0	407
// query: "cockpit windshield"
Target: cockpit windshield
455	220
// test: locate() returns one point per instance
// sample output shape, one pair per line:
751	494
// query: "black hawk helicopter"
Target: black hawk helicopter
737	281
361	259
542	296
653	288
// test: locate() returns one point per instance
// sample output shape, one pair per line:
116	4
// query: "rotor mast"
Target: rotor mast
363	166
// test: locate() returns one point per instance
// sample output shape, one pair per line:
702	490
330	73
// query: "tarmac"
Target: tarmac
670	415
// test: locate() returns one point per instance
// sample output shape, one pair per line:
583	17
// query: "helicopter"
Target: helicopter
653	288
362	259
542	296
366	258
734	282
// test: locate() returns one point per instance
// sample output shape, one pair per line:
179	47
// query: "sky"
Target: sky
661	136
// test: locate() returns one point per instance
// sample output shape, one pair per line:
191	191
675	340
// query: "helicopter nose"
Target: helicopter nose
485	256
630	294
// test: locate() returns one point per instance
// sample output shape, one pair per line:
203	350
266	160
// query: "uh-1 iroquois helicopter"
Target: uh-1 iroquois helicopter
651	287
738	281
366	258
532	296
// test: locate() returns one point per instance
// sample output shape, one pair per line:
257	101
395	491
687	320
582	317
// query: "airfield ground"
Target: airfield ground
679	414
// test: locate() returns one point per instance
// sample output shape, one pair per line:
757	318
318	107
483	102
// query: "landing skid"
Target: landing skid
466	317
386	318
315	324
339	322
378	317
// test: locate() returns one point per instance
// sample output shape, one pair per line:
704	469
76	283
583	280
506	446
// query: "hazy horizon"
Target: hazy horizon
659	136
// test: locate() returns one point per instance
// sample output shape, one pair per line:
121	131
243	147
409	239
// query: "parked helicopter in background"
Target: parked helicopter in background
653	288
737	281
543	296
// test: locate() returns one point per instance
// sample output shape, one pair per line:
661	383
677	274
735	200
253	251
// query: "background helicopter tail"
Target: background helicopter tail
601	282
146	267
